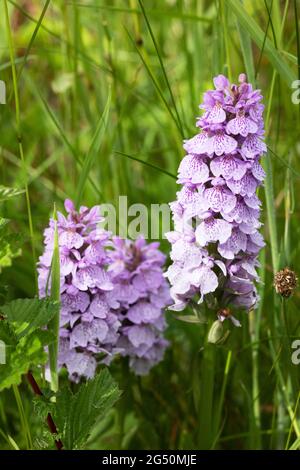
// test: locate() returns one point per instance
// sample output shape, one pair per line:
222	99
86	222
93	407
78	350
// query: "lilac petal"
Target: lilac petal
221	266
69	205
66	265
197	144
258	239
70	239
99	307
209	283
80	364
246	186
248	265
78	301
252	201
221	143
220	198
99	330
235	243
241	125
213	230
180	302
92	276
217	114
258	171
206	280
255	112
193	202
192	169
150	279
249	228
80	336
229	167
253	146
141	335
182	283
143	312
243	214
221	82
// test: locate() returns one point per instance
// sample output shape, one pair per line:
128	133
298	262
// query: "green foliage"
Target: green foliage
23	338
9	245
26	353
27	315
7	193
93	149
258	36
76	414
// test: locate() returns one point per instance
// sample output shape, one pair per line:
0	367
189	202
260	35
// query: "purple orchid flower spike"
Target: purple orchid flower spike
113	295
215	242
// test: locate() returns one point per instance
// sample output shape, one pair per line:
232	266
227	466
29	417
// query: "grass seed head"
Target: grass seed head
285	282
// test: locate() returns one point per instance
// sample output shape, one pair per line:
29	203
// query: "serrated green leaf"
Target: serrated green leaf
26	315
7	334
8	193
28	352
75	415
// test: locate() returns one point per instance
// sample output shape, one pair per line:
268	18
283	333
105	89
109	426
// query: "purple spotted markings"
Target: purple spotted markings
113	295
216	238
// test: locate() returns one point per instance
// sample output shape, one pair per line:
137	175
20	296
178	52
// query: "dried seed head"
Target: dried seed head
285	281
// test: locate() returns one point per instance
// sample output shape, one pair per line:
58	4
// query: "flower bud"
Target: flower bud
217	334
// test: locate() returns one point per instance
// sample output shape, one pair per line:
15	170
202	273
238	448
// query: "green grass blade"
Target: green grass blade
93	150
257	35
155	82
171	13
65	139
247	53
143	162
162	67
32	39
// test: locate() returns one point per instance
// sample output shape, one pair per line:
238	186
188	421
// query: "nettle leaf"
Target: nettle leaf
28	352
75	415
8	193
26	315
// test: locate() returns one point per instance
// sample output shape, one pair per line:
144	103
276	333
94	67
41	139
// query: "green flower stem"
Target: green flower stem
55	295
206	421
